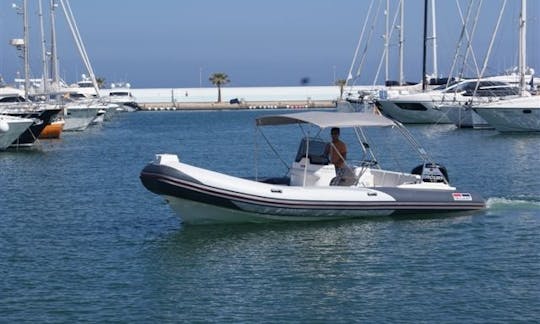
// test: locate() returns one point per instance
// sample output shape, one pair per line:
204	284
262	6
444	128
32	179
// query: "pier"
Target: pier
167	106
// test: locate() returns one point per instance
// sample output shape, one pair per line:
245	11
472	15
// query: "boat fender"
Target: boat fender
431	172
4	126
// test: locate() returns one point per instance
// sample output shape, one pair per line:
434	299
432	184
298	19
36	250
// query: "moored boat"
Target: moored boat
120	94
40	114
53	130
11	127
441	105
520	114
79	116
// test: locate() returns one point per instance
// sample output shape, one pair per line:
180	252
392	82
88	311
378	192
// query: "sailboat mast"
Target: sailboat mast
25	50
386	40
424	54
45	78
401	34
434	38
66	7
54	55
522	44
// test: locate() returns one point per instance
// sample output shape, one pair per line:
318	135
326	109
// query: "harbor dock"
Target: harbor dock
163	106
235	98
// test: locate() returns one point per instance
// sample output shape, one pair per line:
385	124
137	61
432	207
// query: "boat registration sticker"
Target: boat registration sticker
459	196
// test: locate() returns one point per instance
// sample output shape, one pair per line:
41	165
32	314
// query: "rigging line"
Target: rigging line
488	54
469	40
392	153
364	53
469	44
349	74
460	40
470	49
76	34
273	149
384	54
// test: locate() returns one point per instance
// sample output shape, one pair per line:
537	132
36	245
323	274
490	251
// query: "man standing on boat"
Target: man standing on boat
337	151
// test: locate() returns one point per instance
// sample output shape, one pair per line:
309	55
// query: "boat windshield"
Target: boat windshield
484	88
15	98
317	150
112	94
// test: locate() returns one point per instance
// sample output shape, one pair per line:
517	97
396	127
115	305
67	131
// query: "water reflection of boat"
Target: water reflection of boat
310	193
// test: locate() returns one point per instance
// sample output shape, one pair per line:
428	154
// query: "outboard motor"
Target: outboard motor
431	172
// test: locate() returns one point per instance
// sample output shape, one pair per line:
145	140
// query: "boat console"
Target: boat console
314	169
311	166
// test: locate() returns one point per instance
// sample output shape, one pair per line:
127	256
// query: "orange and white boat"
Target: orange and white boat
53	130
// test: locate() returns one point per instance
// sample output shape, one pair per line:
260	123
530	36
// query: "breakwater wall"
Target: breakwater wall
282	104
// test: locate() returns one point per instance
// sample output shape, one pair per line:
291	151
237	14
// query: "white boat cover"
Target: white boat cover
327	119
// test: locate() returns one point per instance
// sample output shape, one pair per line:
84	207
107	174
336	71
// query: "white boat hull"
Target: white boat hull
79	118
11	128
202	196
518	115
464	117
413	112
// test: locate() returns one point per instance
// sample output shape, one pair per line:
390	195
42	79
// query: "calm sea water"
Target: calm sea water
82	240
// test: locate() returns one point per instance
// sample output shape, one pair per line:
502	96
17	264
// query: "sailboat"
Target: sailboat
81	102
453	103
359	98
21	106
403	104
514	115
520	114
444	105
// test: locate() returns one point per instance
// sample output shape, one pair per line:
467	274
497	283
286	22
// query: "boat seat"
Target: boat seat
348	178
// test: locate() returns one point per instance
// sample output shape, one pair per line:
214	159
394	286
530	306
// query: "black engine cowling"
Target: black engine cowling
431	172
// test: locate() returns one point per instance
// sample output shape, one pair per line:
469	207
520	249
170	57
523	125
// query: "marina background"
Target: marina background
81	240
248	97
169	44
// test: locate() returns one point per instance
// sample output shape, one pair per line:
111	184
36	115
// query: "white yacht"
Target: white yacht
11	128
120	94
13	103
462	114
78	115
425	107
520	114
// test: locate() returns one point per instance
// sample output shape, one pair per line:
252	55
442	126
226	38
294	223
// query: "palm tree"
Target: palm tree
219	79
341	84
100	82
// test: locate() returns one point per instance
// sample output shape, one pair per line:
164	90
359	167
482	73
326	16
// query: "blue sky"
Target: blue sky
179	43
